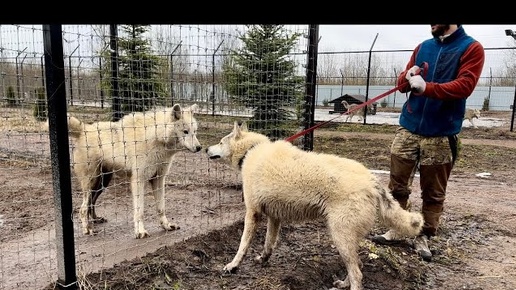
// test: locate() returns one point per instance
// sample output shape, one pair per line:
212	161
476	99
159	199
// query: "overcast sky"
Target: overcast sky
394	37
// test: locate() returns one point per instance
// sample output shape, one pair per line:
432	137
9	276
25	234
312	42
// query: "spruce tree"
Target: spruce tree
139	88
261	75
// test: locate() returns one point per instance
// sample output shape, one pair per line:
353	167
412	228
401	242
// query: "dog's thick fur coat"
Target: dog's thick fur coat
140	144
472	114
287	184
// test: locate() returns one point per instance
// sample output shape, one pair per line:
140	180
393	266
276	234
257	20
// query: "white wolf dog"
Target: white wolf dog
472	114
287	184
359	112
141	144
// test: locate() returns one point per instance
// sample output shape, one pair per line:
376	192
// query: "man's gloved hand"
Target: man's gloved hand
412	72
418	84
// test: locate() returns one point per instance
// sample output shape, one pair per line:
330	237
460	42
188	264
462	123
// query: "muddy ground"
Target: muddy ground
474	249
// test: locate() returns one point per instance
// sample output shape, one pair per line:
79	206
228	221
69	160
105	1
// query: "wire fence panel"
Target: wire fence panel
229	75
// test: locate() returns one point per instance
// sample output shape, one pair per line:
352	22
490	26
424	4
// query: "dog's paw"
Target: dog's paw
262	260
339	284
142	234
99	220
170	226
88	231
230	268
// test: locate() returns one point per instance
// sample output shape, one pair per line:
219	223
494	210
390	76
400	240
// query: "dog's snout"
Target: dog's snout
206	150
198	148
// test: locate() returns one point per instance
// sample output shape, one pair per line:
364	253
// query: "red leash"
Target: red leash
294	137
424	68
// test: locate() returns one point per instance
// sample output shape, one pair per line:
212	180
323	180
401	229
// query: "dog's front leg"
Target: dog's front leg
158	190
271	239
138	192
250	223
87	226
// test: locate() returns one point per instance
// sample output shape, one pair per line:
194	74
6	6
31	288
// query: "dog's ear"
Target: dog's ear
194	108
177	112
236	127
237	130
243	126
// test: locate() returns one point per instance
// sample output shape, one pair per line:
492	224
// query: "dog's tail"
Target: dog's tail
75	127
393	216
345	104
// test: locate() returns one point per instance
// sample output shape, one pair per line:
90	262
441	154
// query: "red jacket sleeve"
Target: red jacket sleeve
470	68
401	78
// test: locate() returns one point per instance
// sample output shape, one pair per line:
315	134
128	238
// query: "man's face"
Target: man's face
439	29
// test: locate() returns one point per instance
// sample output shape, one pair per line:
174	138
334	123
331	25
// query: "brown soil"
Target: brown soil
474	249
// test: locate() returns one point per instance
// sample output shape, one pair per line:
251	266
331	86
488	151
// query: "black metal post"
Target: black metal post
79	78
22	85
172	74
341	83
368	77
311	83
59	155
42	71
395	83
70	77
513	109
212	96
100	81
115	99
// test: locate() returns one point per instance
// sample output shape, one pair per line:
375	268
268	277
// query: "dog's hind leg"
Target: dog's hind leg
250	225
100	184
346	240
138	192
473	123
158	190
87	227
271	239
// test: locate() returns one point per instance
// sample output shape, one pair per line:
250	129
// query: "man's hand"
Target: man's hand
412	72
418	84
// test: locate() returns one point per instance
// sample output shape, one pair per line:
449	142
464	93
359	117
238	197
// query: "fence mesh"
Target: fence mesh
159	66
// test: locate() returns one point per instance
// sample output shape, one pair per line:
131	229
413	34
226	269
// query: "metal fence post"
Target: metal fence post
212	95
311	83
115	99
513	109
172	74
368	78
59	155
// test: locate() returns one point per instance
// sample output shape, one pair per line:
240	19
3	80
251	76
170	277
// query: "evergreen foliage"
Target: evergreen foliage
139	87
11	97
261	76
40	107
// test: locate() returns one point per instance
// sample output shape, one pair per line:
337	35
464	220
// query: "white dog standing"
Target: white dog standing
354	112
141	144
472	114
287	184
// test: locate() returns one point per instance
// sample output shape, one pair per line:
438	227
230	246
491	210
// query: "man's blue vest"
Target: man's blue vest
429	116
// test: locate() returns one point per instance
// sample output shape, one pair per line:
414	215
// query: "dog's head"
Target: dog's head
476	113
234	146
184	128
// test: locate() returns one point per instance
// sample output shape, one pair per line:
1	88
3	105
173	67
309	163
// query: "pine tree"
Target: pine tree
139	88
11	97
40	107
261	76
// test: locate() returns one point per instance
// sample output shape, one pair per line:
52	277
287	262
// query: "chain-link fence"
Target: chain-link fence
106	72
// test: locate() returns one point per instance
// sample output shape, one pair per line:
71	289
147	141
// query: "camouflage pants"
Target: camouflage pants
434	156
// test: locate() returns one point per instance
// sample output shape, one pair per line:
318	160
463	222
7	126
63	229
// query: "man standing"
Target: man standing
451	63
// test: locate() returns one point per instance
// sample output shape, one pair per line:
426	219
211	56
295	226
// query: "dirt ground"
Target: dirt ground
474	249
